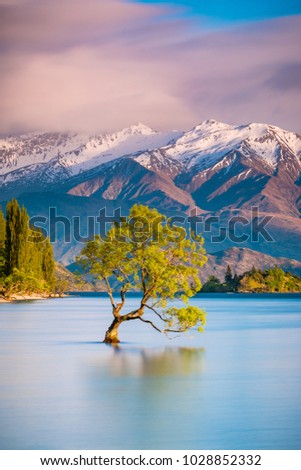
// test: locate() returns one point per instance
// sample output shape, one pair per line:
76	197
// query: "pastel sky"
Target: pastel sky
100	65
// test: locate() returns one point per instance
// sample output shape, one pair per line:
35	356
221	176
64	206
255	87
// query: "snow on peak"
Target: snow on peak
204	145
78	152
211	140
211	125
140	128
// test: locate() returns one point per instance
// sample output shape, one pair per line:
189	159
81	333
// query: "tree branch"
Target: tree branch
155	311
132	315
175	331
151	323
124	274
109	290
149	291
123	289
122	295
143	280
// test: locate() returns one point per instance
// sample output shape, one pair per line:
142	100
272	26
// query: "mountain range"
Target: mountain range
216	169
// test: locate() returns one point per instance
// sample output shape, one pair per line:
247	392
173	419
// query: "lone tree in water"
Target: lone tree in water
153	257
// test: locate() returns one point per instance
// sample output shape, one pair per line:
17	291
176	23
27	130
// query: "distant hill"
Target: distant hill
242	260
71	281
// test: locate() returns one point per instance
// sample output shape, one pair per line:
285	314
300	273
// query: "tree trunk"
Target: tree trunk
111	336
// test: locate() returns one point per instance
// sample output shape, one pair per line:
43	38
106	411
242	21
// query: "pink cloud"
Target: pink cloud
99	65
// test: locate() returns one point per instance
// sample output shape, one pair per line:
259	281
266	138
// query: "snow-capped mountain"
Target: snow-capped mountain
214	167
74	153
208	142
70	149
47	158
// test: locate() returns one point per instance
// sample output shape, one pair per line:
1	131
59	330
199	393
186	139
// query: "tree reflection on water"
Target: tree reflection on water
147	362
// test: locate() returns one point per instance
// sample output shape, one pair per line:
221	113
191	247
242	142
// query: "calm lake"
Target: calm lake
236	386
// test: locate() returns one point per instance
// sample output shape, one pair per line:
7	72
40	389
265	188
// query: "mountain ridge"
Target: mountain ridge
215	168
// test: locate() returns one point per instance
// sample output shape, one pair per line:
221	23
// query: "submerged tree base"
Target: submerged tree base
111	336
111	340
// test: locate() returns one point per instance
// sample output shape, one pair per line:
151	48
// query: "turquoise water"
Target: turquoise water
236	386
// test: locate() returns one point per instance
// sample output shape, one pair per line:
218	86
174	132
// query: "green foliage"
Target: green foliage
270	280
61	286
256	280
2	242
2	229
235	282
13	236
213	285
153	257
21	282
228	276
230	284
25	256
48	263
185	318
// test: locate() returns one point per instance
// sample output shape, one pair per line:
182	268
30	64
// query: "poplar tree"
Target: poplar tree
48	264
228	276
23	255
2	241
27	256
12	236
2	228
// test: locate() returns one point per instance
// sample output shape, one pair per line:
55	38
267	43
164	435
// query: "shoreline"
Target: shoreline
28	297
